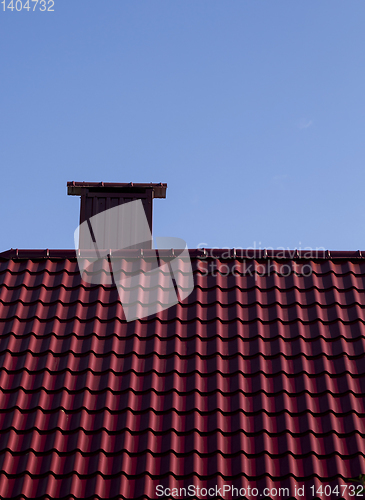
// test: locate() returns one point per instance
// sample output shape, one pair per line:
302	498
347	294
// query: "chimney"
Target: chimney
97	197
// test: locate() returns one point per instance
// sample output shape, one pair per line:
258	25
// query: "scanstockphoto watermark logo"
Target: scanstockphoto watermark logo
146	285
257	262
225	490
257	251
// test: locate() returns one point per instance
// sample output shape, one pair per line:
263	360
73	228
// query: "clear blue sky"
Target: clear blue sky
252	111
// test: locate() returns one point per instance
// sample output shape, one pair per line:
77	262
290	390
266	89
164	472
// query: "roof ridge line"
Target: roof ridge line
234	253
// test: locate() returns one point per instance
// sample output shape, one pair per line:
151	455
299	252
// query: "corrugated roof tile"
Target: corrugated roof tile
255	380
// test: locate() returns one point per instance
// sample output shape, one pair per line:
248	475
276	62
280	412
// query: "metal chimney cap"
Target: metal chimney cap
77	188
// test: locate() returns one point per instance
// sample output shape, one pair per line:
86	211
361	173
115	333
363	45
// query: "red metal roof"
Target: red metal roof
256	380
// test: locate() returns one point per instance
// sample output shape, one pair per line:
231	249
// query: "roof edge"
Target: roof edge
200	253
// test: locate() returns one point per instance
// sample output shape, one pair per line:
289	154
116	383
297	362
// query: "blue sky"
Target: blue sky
253	112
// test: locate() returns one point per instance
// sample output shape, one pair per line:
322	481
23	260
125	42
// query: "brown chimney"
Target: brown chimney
96	197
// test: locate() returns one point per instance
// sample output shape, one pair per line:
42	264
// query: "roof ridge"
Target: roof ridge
203	253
